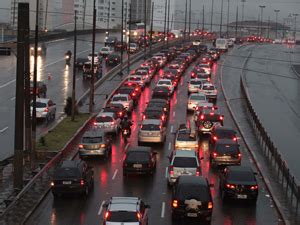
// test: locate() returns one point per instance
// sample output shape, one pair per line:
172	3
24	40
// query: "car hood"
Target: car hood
122	223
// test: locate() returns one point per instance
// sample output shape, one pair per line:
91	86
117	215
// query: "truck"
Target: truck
222	44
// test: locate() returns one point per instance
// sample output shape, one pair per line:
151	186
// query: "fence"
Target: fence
288	181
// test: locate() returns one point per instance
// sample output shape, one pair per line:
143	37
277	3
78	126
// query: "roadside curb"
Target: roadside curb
252	154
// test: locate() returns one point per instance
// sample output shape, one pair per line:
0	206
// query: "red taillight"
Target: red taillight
210	205
202	117
106	215
230	186
81	182
215	154
133	94
215	138
144	117
198	171
239	155
211	113
80	146
46	109
112	123
221	118
95	123
136	89
120	113
175	203
254	187
162	117
234	139
171	171
139	216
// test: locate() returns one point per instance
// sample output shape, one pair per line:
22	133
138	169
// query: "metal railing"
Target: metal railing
289	183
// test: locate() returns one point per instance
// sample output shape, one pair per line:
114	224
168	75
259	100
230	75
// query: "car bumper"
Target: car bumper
221	162
202	214
246	196
157	139
137	171
94	152
205	130
67	190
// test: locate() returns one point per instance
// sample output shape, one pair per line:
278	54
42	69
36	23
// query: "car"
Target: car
124	99
110	41
87	70
196	99
175	66
160	60
95	142
116	108
206	67
41	50
160	103
192	198
195	85
155	112
119	46
152	131
225	152
41	89
207	119
210	92
186	138
172	78
145	75
206	59
97	59
137	87
220	132
238	182
79	62
197	42
108	122
166	83
183	163
202	48
139	79
214	54
105	51
129	91
200	74
45	109
139	160
161	93
175	72
72	177
230	43
125	211
133	47
113	59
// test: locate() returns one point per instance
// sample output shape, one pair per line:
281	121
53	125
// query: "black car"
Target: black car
110	41
219	132
72	177
80	62
207	119
139	160
238	182
119	46
113	59
155	112
161	103
225	152
192	198
117	108
161	92
202	48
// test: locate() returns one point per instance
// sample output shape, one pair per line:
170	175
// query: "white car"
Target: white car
140	80
196	99
145	75
45	109
230	43
195	85
160	60
133	47
206	68
196	42
104	51
96	58
210	91
277	41
166	83
123	99
108	122
152	131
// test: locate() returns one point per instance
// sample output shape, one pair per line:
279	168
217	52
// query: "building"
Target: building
138	10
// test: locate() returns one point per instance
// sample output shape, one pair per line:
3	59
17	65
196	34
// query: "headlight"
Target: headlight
39	48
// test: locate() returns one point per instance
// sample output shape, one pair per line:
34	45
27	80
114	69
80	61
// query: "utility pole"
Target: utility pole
151	27
190	14
46	14
236	20
172	21
165	20
243	7
107	22
221	22
23	12
203	19
91	106
145	28
129	39
83	17
211	15
185	19
269	27
168	23
295	15
33	143
74	68
276	12
227	31
261	19
122	34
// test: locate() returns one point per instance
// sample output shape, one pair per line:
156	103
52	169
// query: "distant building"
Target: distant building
138	10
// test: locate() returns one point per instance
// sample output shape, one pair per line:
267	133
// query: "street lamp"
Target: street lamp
221	22
211	15
276	11
242	22
295	15
261	18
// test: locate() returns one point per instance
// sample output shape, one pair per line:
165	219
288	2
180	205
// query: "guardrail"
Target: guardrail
285	177
36	189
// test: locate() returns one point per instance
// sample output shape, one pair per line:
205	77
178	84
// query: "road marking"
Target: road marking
166	173
163	209
101	208
4	129
174	113
172	129
169	147
13	98
115	174
126	147
8	83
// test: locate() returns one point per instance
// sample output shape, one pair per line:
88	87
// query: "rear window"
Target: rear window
67	173
227	149
104	119
208	88
90	140
137	156
223	134
198	97
150	127
122	216
186	137
241	176
193	191
185	162
119	98
40	105
166	82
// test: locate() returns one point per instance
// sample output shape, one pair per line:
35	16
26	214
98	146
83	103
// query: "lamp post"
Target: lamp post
261	17
107	22
211	15
227	31
276	11
243	7
221	22
295	15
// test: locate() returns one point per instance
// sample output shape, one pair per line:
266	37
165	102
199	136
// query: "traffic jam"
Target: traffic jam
140	123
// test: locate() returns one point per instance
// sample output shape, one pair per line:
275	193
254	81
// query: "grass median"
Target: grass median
55	140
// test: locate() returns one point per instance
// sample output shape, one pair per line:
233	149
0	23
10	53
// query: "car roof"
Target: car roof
124	204
184	153
70	164
111	114
225	141
221	128
151	121
192	180
139	149
161	88
43	100
197	94
240	168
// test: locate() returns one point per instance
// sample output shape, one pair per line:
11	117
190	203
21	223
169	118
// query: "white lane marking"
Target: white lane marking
166	173
126	147
101	208
115	174
169	147
174	114
8	83
4	129
163	209
13	98
172	129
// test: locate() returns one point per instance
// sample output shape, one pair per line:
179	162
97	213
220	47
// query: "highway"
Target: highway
109	180
59	87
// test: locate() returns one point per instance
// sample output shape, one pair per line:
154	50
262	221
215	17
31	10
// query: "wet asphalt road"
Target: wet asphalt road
109	180
59	87
271	81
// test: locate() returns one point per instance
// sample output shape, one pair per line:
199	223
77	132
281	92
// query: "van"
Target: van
222	44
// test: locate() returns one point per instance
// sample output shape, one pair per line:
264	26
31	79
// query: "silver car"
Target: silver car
45	109
196	99
183	163
187	139
152	131
108	122
195	85
123	99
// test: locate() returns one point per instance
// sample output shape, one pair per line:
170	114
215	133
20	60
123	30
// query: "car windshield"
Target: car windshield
40	104
198	97
226	149
104	119
119	99
67	172
196	82
137	156
89	140
193	191
208	88
239	176
150	127
185	162
186	137
122	216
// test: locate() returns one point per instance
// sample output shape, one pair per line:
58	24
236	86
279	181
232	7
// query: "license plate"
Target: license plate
67	182
138	166
242	196
192	214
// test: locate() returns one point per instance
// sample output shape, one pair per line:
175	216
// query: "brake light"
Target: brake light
133	94
215	138
112	123
175	203
198	171
211	113
52	183
107	214
120	113
144	117
221	117
46	109
239	155
80	146
234	139
171	170
215	154
139	215
254	187
162	117
230	186
136	89
202	117
210	205
81	182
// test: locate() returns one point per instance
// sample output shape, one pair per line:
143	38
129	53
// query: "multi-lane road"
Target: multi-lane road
109	180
